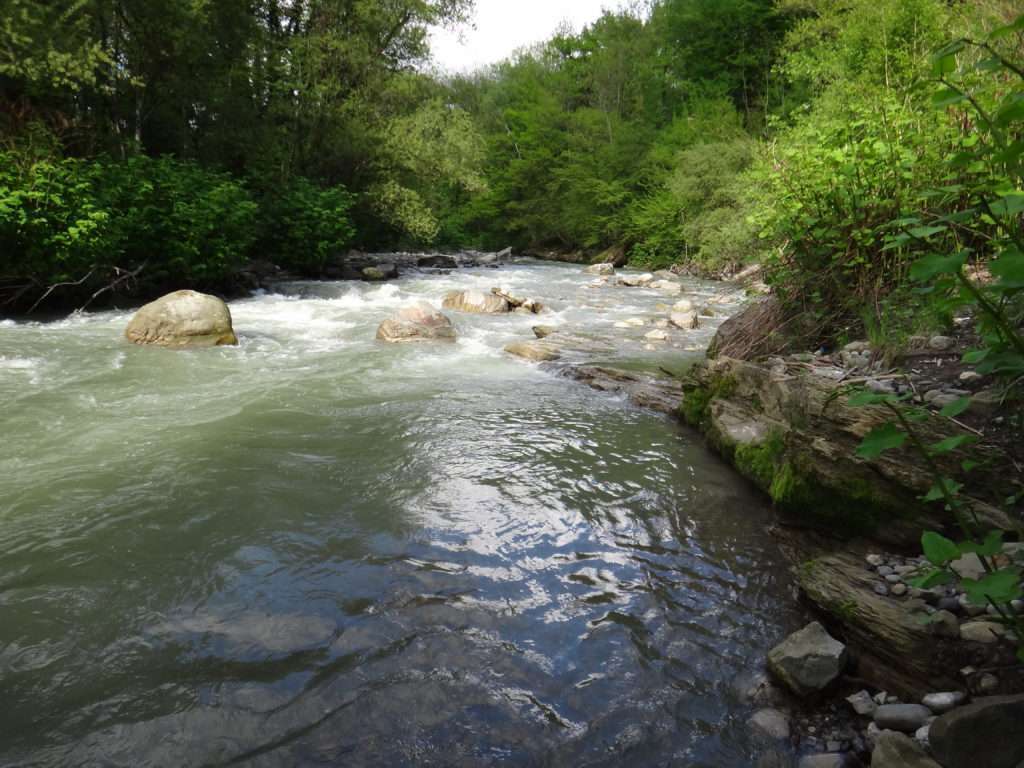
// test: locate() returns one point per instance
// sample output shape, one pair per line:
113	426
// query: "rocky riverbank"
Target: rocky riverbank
929	677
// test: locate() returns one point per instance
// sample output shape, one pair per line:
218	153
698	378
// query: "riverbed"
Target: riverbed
318	549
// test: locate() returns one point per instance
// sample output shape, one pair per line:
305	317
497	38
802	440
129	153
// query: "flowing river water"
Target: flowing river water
317	549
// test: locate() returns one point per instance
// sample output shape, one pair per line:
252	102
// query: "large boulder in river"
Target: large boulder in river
986	732
637	281
183	319
808	661
476	301
604	268
418	322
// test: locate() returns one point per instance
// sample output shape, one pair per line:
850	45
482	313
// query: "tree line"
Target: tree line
802	134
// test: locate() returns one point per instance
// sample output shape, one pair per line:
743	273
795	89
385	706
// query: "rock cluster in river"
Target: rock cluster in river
183	319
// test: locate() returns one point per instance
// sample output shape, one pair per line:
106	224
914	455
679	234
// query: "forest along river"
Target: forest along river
315	548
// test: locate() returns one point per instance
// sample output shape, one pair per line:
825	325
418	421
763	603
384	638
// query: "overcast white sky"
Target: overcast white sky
502	26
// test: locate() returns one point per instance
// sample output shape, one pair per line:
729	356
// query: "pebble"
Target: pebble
969	376
942	702
902	717
902	570
921	734
894	578
881	697
899	589
884	570
875	560
941	343
967	672
881	589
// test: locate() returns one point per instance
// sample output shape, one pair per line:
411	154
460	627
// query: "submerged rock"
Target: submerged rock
772	723
183	319
418	322
808	661
600	269
637	281
543	331
379	272
684	320
538	351
476	301
985	733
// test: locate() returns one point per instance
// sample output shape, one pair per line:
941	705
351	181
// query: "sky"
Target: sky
501	26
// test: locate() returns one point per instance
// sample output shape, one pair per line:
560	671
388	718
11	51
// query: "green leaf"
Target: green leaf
923	233
936	578
990	547
972	356
940	489
1002	586
881	439
957	407
1009	268
950	444
938	549
937	264
947	97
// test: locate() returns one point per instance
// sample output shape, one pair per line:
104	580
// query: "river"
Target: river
317	549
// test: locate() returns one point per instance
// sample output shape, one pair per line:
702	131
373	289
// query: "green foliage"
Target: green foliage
303	225
61	220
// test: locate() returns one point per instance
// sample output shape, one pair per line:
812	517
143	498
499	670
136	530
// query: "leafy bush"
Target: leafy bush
303	224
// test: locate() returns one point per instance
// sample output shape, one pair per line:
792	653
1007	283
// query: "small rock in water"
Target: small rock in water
772	723
902	717
656	335
809	660
862	703
942	702
635	321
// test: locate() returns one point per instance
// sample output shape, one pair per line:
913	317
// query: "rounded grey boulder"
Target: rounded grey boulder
183	319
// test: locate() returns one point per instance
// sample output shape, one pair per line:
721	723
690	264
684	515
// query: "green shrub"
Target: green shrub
303	224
